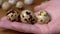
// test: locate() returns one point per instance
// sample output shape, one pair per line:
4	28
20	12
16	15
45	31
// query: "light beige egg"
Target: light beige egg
13	15
27	16
42	16
28	2
12	1
19	4
6	6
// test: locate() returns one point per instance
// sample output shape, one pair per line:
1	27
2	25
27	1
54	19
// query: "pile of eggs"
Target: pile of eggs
26	16
6	5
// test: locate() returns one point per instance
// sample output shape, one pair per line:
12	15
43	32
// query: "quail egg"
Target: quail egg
42	16
19	4
6	6
13	15
27	16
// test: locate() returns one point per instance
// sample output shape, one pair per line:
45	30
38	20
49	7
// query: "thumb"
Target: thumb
42	6
4	19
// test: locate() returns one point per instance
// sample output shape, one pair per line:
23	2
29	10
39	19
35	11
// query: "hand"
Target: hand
52	7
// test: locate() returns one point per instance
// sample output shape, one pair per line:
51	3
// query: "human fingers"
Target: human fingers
27	28
5	23
42	6
4	19
18	26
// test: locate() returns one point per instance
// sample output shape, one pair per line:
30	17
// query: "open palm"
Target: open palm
52	7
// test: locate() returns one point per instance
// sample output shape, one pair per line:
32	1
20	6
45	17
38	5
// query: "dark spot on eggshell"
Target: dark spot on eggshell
32	22
39	14
15	15
45	15
31	16
22	16
11	15
31	19
8	13
12	11
25	19
28	13
41	20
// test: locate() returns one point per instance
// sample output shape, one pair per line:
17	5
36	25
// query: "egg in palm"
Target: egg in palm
42	16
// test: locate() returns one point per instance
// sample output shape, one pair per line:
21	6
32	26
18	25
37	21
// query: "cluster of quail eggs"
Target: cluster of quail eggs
9	3
26	16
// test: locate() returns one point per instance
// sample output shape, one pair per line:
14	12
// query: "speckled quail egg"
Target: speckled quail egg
28	2
27	16
19	4
12	1
13	15
6	6
1	2
42	16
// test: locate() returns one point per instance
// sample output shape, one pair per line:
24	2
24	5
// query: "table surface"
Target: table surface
3	13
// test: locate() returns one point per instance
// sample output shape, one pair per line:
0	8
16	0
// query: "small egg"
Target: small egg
28	2
13	15
19	4
1	2
6	6
27	16
12	1
42	16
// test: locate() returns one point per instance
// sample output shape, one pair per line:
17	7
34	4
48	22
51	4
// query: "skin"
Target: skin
53	27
